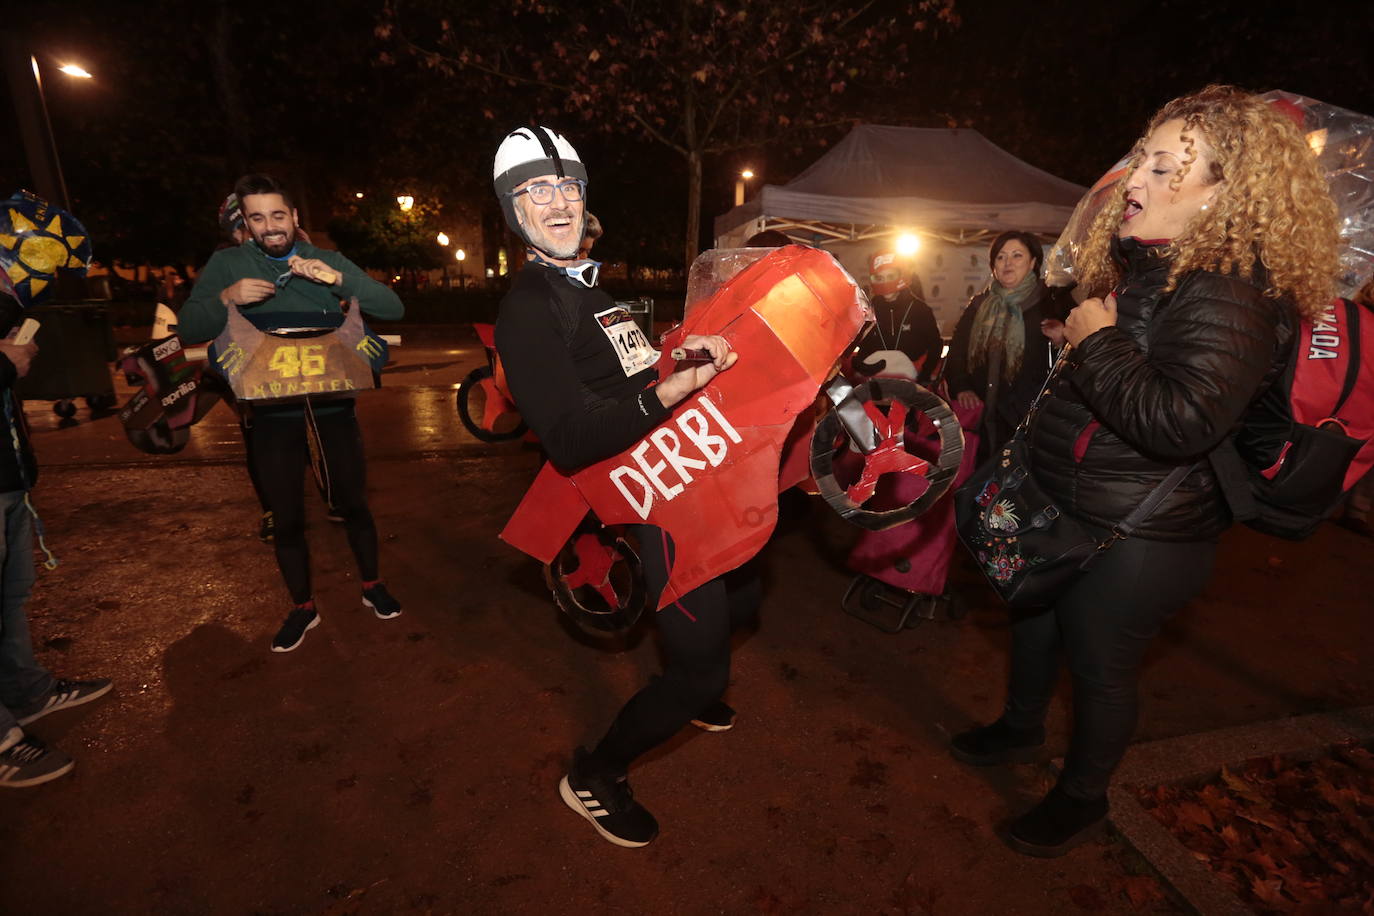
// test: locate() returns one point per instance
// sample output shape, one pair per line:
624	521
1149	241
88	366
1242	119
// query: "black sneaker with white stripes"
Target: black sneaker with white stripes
607	803
30	762
64	693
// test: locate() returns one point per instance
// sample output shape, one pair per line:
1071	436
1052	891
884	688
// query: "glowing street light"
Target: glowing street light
908	244
358	194
460	256
744	176
405	202
442	238
75	70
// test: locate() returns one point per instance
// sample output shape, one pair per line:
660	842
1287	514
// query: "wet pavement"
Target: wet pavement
411	765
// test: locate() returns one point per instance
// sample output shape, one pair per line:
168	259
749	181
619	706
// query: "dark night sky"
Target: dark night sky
1065	85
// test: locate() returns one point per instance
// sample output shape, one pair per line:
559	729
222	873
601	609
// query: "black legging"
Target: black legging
694	633
1104	623
279	454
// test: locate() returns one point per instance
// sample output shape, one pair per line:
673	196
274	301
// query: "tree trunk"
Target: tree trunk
693	204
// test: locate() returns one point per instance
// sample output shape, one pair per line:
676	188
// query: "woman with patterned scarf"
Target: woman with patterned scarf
1000	355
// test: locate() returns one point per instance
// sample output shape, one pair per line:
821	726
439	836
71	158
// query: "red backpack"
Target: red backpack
1314	427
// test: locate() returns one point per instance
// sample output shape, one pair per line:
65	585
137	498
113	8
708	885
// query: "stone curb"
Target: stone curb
1196	757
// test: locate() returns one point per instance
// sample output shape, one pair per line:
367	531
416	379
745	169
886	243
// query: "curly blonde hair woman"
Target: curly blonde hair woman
1270	215
1222	226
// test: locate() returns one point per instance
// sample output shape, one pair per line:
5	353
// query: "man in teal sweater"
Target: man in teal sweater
280	281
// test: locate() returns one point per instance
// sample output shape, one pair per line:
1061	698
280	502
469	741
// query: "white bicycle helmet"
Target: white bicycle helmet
528	152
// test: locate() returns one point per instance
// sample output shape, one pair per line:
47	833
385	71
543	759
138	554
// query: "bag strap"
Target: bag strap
1126	527
1233	478
1055	371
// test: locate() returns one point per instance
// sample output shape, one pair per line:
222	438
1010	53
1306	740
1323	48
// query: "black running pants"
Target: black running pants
694	634
1103	624
280	455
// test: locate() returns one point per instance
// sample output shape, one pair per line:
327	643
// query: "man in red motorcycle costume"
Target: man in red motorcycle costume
583	376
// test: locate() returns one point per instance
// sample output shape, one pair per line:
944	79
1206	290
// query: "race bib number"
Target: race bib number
627	340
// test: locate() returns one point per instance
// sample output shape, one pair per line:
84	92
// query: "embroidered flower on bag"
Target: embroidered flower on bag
990	490
1002	516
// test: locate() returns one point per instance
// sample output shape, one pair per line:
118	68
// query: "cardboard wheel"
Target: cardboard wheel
583	579
889	456
468	404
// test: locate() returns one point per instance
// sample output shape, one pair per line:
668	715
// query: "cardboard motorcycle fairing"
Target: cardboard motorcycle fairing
709	474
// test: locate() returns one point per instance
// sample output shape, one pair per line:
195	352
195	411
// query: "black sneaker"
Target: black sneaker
383	604
608	804
718	717
64	693
30	763
1057	824
997	743
292	632
267	530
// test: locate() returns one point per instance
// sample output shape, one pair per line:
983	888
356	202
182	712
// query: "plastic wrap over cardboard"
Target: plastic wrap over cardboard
1344	144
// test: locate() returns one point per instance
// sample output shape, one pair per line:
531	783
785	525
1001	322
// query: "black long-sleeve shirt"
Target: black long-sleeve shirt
579	369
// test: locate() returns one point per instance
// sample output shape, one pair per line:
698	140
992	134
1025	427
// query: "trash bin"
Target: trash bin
75	349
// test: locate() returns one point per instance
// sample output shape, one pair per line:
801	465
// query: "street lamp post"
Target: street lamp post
31	114
739	185
460	256
442	239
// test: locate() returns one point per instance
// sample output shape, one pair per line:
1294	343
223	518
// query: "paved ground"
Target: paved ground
410	766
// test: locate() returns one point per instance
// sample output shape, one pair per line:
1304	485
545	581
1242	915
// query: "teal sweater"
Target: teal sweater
203	316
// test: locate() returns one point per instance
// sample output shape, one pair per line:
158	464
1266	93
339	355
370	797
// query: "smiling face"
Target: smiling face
555	228
1170	186
271	222
1012	263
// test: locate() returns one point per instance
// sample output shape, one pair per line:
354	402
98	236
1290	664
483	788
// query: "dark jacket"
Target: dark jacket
1161	389
1008	400
907	324
18	470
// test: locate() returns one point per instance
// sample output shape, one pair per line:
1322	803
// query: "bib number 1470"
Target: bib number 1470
292	361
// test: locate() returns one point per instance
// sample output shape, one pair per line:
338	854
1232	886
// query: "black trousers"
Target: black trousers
1104	623
279	454
694	633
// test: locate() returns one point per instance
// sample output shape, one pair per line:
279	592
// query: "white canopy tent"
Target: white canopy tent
954	189
954	185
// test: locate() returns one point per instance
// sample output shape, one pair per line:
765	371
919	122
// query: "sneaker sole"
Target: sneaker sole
565	791
95	695
38	780
1012	755
712	726
308	627
380	615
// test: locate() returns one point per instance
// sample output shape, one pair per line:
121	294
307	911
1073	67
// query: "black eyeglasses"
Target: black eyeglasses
541	192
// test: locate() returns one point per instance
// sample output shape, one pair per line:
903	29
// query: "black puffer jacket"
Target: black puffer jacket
1160	389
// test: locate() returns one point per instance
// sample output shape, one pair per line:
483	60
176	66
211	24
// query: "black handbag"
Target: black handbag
1028	549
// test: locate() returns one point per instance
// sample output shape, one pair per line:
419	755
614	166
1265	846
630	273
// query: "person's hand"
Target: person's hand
20	354
1090	316
314	269
247	291
676	386
1053	328
968	400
